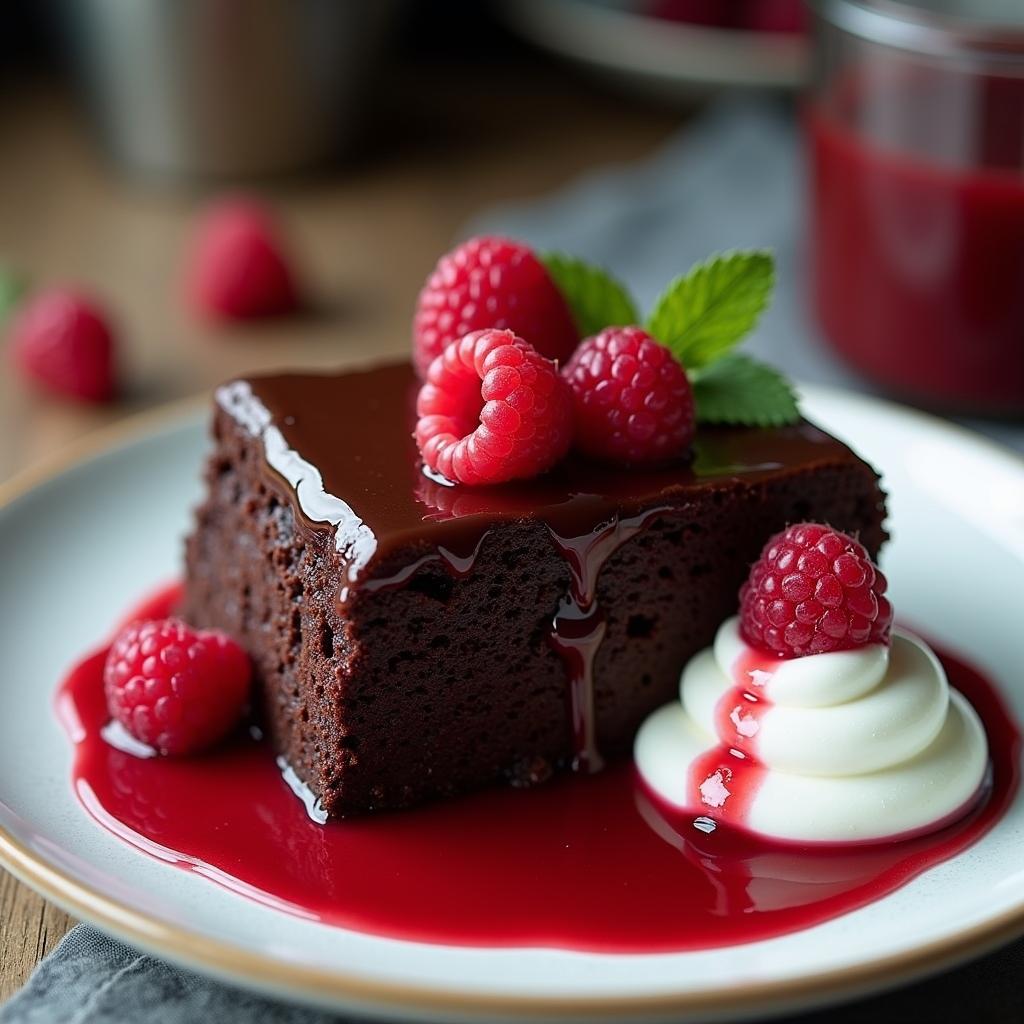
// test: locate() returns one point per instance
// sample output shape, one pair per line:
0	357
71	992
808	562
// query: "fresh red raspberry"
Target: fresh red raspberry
491	282
174	688
631	398
814	590
61	340
492	409
238	269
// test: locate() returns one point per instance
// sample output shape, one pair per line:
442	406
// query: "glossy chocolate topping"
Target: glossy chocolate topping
342	444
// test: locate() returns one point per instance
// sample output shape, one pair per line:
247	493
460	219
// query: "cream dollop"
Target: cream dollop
846	746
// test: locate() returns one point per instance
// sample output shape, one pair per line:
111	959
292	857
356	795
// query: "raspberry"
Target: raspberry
174	688
632	400
61	340
238	269
491	282
492	409
814	590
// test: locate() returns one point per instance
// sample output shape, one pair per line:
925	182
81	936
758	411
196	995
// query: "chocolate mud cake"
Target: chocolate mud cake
414	640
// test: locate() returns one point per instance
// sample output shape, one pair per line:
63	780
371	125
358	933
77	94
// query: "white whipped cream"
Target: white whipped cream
839	747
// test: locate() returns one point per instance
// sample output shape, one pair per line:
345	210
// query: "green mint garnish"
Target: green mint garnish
595	299
738	389
703	314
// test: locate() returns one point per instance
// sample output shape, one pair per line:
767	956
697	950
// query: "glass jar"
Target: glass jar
916	137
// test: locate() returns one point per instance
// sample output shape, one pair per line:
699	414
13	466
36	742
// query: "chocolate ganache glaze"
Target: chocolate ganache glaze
342	446
351	434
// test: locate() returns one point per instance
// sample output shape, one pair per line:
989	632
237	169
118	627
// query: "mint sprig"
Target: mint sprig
706	312
595	298
738	389
701	317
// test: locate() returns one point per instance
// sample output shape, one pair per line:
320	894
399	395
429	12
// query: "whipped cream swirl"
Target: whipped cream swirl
840	747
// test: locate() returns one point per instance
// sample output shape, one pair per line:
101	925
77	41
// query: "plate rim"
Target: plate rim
335	987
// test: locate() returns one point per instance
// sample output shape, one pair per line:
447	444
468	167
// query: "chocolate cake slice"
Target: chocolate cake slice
414	640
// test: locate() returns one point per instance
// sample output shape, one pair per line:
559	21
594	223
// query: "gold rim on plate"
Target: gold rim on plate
338	988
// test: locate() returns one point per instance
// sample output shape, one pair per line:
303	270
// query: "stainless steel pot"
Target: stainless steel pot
188	89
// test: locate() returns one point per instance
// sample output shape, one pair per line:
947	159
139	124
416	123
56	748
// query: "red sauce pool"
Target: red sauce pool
918	261
586	863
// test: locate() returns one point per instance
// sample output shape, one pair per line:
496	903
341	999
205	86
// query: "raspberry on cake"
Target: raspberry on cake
406	651
631	397
492	410
491	282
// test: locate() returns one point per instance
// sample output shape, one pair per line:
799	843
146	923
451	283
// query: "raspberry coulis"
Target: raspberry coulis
585	862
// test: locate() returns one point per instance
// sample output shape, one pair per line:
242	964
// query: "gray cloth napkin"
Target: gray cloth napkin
731	179
92	979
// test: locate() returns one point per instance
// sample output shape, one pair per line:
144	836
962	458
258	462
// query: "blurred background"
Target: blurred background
877	147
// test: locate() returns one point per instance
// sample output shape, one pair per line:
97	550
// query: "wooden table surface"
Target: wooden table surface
366	237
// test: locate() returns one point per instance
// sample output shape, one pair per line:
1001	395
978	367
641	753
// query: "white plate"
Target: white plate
668	59
78	547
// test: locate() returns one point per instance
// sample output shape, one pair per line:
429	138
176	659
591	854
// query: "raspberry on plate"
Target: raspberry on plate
238	268
814	590
631	398
174	688
61	340
492	409
491	282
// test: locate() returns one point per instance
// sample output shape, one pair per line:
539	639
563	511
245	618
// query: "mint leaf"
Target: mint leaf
704	313
12	288
596	300
738	389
